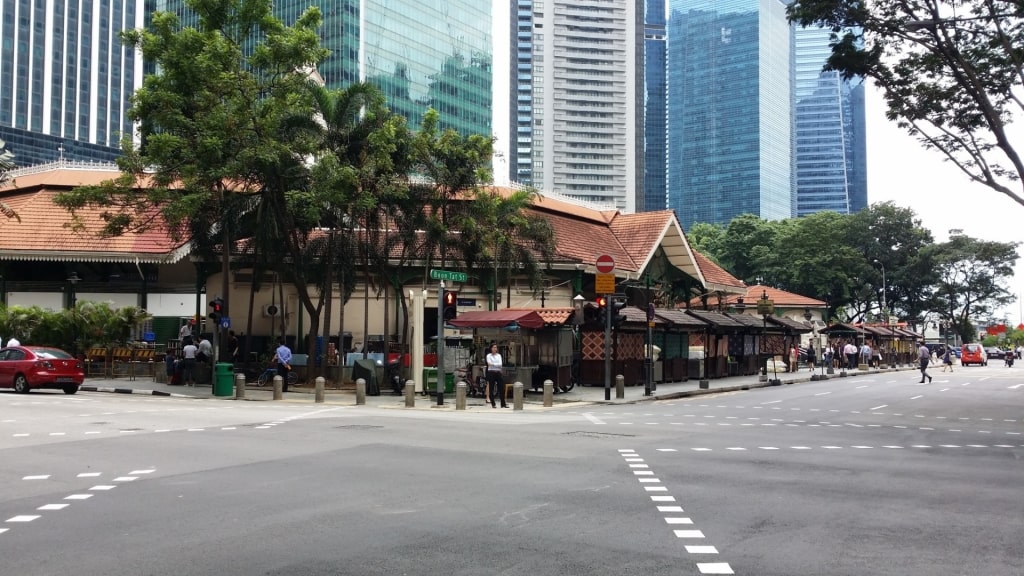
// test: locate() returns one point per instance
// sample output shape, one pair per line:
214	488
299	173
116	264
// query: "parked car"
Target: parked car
973	354
25	368
995	353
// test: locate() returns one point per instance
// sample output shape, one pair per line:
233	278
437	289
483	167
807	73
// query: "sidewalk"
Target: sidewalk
531	400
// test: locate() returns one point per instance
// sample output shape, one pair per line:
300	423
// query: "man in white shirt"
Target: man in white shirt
13	342
205	353
188	364
185	333
850	350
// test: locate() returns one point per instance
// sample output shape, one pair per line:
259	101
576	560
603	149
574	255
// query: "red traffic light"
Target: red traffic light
602	302
450	298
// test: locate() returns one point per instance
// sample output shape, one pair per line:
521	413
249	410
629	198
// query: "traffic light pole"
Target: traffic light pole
440	345
608	349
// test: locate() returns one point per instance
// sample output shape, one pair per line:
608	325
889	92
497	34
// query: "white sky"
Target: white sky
899	169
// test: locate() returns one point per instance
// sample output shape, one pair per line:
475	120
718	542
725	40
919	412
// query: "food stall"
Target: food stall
535	344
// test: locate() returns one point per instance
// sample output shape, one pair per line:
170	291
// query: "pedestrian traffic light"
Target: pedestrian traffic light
650	312
615	309
451	306
218	310
602	310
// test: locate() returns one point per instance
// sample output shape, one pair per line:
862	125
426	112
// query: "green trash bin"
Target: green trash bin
430	381
223	379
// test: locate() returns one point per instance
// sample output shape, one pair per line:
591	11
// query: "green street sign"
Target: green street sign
447	275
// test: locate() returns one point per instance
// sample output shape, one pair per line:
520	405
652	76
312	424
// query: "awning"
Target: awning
498	319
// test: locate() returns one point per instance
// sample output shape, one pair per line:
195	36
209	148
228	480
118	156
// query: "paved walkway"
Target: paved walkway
531	400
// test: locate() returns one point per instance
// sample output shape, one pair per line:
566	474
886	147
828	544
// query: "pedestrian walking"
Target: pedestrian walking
794	358
865	354
495	379
947	360
812	355
283	358
925	357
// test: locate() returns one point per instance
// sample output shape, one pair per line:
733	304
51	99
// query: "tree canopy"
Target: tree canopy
951	73
866	264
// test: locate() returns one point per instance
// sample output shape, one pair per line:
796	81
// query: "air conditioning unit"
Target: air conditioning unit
270	310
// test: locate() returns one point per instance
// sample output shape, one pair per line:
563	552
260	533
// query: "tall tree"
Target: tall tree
951	73
6	165
972	280
213	110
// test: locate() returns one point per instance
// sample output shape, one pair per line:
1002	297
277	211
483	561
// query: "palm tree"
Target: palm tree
505	234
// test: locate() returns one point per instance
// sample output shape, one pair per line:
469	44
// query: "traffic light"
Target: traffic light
602	310
650	312
218	311
451	306
618	317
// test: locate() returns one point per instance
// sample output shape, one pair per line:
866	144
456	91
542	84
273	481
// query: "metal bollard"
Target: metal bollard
240	386
360	392
318	396
460	396
620	386
517	396
549	392
278	388
410	393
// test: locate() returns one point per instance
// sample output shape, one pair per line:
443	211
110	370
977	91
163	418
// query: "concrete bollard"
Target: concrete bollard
410	393
240	386
517	396
278	388
620	386
549	393
360	392
460	396
319	393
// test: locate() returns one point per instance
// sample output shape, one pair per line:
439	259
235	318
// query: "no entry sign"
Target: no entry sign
605	264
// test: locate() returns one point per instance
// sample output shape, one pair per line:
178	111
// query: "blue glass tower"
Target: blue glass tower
655	128
420	53
65	78
830	140
730	127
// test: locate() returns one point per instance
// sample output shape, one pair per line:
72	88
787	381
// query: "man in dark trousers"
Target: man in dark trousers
283	357
924	355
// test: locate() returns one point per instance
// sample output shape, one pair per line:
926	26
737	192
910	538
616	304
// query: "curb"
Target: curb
129	391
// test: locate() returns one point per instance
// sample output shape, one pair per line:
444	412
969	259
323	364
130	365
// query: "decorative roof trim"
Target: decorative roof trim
171	257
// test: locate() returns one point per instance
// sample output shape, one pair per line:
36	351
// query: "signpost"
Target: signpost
447	275
604	280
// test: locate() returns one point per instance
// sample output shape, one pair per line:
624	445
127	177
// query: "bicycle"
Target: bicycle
267	377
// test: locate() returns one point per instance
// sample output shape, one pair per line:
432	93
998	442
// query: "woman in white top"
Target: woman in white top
495	381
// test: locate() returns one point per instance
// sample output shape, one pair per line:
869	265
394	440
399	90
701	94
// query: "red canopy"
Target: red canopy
498	319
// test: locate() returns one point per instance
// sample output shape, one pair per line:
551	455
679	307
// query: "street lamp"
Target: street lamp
766	308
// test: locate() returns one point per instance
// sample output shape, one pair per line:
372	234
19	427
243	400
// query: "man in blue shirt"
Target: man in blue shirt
283	357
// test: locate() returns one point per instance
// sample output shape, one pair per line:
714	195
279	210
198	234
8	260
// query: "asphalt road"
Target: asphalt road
872	474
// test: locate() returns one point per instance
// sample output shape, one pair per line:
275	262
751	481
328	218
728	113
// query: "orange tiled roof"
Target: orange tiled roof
551	316
44	234
780	298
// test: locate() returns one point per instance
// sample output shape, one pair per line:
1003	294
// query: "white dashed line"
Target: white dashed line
37	477
23	518
53	507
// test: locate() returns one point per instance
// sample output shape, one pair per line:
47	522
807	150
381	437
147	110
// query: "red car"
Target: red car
28	367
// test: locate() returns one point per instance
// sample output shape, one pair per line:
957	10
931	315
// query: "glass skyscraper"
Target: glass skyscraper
730	121
655	128
830	140
65	78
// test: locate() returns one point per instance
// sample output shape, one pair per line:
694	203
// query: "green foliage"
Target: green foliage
951	73
75	330
840	259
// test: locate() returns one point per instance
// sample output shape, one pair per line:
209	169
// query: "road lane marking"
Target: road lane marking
593	419
879	407
916	397
687	534
24	518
